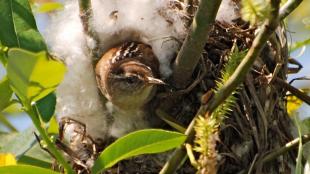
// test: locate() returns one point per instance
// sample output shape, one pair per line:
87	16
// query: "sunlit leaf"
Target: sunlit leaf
5	93
33	75
7	159
25	169
140	142
53	127
18	27
13	108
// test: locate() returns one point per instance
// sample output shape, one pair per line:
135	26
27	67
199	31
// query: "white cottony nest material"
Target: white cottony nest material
154	22
159	23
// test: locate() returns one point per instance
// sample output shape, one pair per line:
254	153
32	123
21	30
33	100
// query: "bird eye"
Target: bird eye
132	80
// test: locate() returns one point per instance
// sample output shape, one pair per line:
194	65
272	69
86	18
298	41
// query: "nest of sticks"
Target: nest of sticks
259	123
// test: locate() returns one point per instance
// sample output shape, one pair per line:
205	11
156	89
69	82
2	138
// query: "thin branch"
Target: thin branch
193	45
287	147
299	94
259	42
288	7
280	151
86	13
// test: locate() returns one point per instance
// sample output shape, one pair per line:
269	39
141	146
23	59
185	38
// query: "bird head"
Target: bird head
128	76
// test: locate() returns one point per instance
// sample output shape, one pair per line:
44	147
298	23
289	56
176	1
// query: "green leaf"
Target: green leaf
299	44
25	169
18	143
49	7
46	107
18	27
140	142
5	93
33	75
34	162
53	127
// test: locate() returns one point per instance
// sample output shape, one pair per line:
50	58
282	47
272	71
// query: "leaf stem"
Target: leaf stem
34	115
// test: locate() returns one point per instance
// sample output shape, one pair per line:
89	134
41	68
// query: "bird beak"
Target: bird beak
155	81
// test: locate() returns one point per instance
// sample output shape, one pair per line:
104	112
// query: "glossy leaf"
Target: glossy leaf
32	75
25	169
5	93
140	142
18	27
53	127
28	160
46	107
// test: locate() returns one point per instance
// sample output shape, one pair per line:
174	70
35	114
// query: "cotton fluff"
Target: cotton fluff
160	23
77	95
154	22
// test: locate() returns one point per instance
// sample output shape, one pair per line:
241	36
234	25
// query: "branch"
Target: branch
287	147
258	44
296	92
288	7
86	14
193	45
280	151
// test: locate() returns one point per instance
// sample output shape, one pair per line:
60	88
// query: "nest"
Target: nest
259	122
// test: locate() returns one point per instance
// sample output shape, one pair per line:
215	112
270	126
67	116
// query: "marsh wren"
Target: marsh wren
127	75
